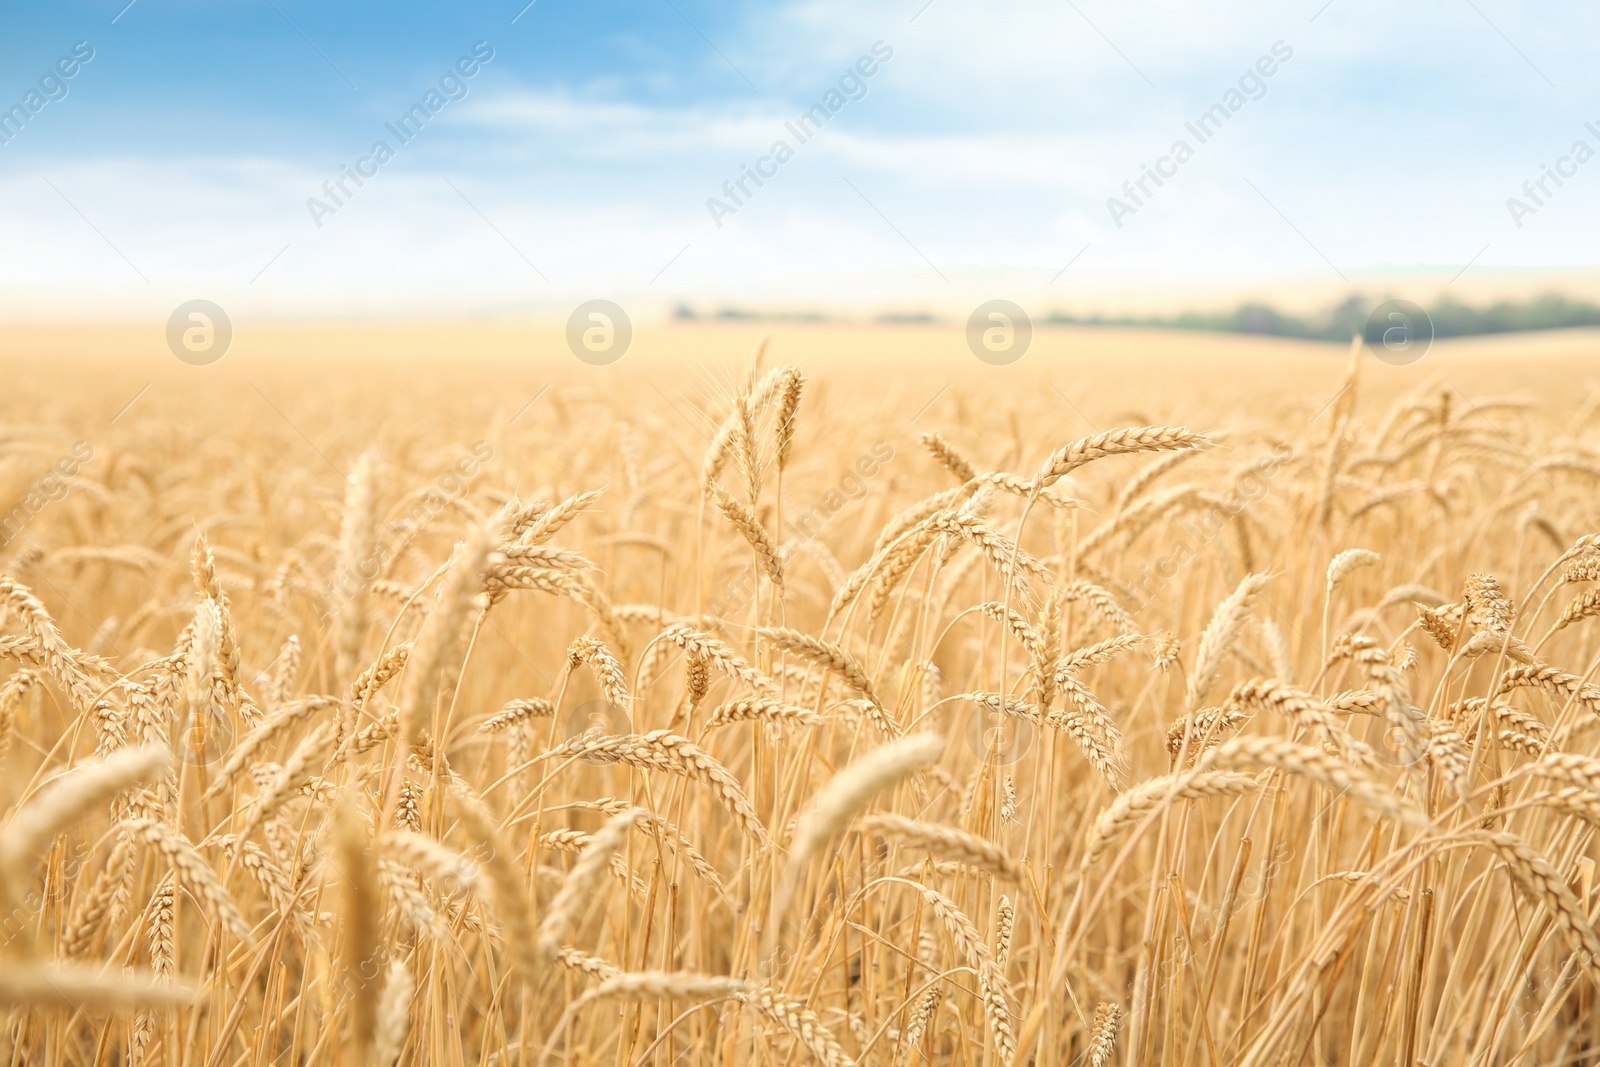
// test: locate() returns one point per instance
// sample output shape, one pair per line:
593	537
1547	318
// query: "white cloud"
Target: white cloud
988	144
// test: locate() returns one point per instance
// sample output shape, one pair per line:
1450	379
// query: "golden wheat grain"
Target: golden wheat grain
1202	730
585	963
802	1024
747	446
201	661
607	669
1149	796
272	880
378	674
517	712
1271	753
1091	728
69	797
285	666
1018	624
360	945
1571	767
849	791
666	751
281	719
12	692
1583	570
1541	881
1005	919
1006	558
1301	708
1166	651
1099	652
1556	681
430	858
719	655
1583	607
1493	643
755	534
1348	562
792	386
1450	755
824	654
312	751
193	871
1112	443
1103	1038
572	900
1000	704
1220	634
1572	800
542	557
696	681
75	986
677	985
948	457
947	841
666	831
915	516
992	985
104	903
764	709
432	656
1487	607
1017	485
1382	675
394	1016
553	520
355	545
1131	522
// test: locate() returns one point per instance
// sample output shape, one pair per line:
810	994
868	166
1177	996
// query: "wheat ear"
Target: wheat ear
1114	443
362	939
74	986
432	657
667	751
802	1024
193	871
394	1016
1103	1039
81	790
946	454
992	985
1220	634
750	528
946	841
1149	796
576	894
1275	753
1541	881
510	888
846	794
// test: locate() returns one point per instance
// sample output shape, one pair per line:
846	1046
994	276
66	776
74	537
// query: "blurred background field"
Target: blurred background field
484	366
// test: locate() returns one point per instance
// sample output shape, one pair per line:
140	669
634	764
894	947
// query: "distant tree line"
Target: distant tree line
1451	318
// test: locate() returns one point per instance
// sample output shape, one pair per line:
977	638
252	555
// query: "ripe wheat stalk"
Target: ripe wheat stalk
841	740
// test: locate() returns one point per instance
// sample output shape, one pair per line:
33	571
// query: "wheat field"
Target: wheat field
836	699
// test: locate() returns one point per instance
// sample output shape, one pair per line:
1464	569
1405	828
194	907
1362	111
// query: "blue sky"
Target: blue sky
980	157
